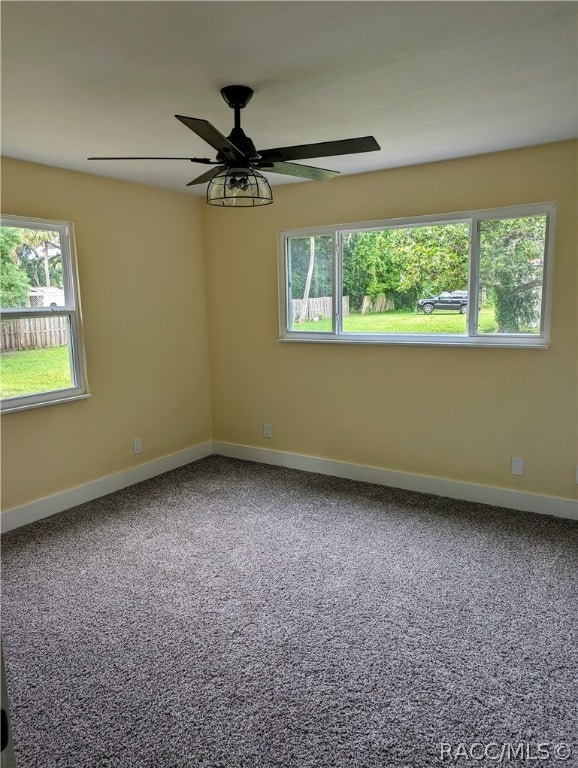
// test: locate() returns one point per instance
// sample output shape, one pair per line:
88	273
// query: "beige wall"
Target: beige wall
454	413
142	289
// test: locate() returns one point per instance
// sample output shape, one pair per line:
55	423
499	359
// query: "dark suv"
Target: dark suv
457	300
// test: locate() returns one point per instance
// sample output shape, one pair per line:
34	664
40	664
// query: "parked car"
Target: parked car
457	300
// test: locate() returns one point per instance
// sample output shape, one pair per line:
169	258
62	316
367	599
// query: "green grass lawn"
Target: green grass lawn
34	370
403	322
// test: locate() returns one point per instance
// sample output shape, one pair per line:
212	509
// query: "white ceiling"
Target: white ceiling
430	80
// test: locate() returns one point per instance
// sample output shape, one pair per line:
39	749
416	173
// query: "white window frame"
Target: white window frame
471	338
70	310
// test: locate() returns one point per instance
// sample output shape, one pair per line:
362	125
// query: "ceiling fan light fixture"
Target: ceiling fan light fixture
239	188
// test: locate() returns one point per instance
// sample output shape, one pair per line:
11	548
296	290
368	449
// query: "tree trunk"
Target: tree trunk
303	313
46	264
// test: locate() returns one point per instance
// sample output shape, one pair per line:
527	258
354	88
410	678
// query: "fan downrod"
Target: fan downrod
237	96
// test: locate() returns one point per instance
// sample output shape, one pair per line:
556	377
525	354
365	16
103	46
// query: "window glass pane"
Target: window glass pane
406	280
35	355
31	268
511	275
310	268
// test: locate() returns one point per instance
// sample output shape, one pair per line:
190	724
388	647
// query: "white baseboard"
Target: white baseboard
453	489
50	505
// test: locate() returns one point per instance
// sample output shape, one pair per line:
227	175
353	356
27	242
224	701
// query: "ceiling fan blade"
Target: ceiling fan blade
192	159
303	171
207	176
322	149
212	136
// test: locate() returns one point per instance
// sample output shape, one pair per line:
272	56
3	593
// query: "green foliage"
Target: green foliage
366	270
29	257
410	263
35	259
511	266
322	278
406	263
14	282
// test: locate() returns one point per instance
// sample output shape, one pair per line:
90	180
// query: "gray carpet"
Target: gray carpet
235	615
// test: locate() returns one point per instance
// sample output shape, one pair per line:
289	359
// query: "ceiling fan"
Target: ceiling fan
235	179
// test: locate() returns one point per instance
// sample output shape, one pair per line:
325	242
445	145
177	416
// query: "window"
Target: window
470	278
41	353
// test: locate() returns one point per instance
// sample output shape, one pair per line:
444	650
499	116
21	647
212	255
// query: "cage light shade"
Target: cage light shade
239	188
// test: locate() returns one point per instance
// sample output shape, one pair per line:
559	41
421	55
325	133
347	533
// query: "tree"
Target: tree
322	274
405	263
511	266
34	257
14	282
303	314
368	266
433	259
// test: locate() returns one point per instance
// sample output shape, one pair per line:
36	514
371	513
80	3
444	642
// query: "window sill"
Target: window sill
7	408
507	343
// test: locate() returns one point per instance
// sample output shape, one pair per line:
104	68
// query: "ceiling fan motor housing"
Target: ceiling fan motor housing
237	96
244	143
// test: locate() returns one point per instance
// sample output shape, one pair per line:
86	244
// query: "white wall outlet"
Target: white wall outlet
137	445
267	431
517	466
576	476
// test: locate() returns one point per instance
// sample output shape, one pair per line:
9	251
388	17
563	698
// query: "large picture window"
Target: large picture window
475	277
41	354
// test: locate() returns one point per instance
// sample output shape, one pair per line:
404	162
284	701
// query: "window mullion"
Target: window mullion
473	283
23	313
337	285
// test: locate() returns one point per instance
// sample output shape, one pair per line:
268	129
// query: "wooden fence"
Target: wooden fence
320	307
33	332
381	303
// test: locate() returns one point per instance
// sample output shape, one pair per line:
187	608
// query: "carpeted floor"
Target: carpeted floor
236	615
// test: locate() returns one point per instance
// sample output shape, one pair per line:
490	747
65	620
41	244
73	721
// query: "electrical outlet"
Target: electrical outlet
517	466
576	476
137	445
267	431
